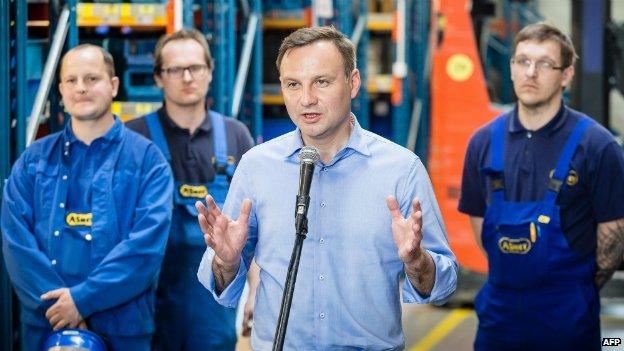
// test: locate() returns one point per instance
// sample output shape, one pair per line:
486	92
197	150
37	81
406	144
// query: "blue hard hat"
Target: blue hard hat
73	340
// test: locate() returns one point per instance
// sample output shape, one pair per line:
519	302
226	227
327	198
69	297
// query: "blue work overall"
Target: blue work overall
86	237
539	294
187	316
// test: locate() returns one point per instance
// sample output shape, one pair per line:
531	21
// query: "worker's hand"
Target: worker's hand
248	316
63	313
225	236
407	232
83	325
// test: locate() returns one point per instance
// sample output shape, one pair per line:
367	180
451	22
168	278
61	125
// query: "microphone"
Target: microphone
307	158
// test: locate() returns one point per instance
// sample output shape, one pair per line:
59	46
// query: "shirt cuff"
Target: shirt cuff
81	296
232	293
443	287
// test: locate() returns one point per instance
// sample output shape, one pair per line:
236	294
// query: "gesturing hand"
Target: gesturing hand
225	236
407	232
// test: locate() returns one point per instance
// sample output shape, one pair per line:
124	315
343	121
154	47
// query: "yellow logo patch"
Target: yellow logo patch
519	246
196	191
74	219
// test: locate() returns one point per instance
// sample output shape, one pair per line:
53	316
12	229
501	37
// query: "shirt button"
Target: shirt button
54	262
529	135
64	176
88	237
322	241
324	169
66	153
57	233
321	277
67	143
322	315
322	204
62	205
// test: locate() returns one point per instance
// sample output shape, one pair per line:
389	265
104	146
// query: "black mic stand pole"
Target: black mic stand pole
291	277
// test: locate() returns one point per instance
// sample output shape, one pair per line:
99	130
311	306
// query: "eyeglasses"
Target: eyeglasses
196	71
540	65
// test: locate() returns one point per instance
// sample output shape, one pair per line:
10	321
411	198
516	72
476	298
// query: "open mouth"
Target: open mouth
311	117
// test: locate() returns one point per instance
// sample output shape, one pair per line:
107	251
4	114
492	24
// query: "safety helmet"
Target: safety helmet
73	340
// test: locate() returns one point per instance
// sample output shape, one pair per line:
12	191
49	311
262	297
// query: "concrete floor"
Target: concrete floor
429	328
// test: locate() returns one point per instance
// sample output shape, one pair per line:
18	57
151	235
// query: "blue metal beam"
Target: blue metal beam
343	17
422	67
21	93
253	89
72	33
223	48
6	294
361	102
188	19
230	47
401	111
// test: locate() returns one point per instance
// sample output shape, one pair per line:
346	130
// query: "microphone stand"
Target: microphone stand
291	277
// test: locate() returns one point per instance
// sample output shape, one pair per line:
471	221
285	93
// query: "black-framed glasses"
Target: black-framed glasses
196	71
540	65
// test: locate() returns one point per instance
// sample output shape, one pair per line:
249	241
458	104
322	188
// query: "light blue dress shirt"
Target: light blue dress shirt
347	290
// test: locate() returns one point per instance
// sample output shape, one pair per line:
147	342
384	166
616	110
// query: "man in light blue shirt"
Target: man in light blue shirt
372	216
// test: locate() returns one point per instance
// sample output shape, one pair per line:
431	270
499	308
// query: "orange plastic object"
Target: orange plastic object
459	105
170	16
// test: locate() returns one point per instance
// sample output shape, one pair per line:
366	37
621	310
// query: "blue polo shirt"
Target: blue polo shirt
592	193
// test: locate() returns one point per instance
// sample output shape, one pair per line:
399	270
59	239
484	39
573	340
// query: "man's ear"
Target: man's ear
355	81
568	75
115	84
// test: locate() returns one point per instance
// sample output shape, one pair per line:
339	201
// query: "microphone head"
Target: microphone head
309	154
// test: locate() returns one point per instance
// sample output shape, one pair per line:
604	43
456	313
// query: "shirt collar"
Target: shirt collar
206	124
112	135
357	141
552	126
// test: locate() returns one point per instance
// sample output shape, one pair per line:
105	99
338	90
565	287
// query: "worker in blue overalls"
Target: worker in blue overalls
85	217
543	187
203	148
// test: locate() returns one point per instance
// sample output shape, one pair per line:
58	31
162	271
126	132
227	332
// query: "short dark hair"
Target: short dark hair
542	31
109	62
182	34
307	36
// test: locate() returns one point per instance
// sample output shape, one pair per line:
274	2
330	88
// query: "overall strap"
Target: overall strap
220	144
563	164
157	134
497	151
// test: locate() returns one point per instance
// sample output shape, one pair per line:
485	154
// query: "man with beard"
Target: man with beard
203	148
542	185
86	215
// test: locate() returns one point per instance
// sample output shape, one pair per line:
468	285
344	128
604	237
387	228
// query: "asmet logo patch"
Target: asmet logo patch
74	219
520	246
195	191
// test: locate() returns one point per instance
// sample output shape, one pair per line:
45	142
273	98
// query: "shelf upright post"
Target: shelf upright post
251	112
188	19
19	43
6	293
422	66
223	49
361	101
400	87
72	31
57	119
